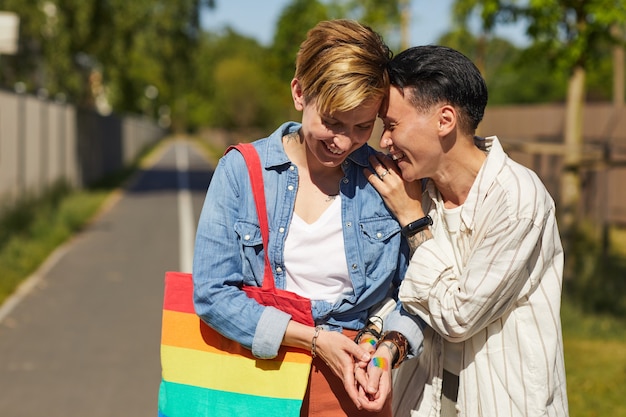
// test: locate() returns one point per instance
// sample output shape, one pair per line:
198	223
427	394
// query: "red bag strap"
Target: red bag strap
255	172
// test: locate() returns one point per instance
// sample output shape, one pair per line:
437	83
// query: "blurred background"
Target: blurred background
87	87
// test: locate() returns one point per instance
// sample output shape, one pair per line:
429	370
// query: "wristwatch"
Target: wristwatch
417	226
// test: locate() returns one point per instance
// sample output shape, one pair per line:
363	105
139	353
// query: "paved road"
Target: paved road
85	341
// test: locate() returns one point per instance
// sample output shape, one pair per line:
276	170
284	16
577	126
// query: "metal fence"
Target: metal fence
43	142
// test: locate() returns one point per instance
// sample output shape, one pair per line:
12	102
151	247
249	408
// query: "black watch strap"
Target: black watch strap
417	226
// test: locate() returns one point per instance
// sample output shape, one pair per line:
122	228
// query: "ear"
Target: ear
447	120
297	95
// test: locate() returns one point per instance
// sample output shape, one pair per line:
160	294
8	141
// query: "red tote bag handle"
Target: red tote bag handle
297	306
256	180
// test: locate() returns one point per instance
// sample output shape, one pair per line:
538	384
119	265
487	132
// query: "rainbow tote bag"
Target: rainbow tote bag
206	374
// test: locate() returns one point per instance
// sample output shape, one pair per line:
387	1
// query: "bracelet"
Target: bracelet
314	341
401	344
365	330
416	226
375	319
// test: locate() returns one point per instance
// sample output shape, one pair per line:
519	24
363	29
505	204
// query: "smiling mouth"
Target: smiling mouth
397	156
333	150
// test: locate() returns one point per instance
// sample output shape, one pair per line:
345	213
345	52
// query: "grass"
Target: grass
596	377
595	344
35	227
595	363
31	229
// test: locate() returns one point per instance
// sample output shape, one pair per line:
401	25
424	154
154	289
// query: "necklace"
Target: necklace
330	198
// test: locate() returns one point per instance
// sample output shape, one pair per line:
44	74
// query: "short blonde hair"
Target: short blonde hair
341	64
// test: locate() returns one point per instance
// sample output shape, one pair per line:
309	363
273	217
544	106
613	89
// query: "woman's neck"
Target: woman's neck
311	171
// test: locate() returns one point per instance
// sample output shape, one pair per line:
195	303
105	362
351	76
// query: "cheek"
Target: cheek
321	133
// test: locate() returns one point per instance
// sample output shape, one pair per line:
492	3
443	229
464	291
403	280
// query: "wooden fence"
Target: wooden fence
533	136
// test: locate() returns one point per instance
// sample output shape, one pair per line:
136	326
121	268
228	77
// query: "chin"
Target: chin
406	173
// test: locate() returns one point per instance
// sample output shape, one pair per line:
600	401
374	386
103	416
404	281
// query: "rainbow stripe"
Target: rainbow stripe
204	374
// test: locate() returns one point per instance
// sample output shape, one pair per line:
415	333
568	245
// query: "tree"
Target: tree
149	43
511	79
567	33
235	85
294	22
91	51
384	16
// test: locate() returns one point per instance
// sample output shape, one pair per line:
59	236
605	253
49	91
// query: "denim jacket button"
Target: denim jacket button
246	237
290	187
281	229
279	269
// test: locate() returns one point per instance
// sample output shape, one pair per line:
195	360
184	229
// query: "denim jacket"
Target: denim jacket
229	251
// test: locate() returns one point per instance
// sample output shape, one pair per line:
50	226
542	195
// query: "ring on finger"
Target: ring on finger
385	172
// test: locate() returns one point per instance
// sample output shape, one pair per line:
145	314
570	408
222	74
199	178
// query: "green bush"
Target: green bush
32	228
598	279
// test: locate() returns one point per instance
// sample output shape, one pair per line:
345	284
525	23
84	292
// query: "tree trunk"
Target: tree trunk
618	70
405	24
570	180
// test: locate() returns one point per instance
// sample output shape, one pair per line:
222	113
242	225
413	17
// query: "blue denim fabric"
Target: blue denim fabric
229	252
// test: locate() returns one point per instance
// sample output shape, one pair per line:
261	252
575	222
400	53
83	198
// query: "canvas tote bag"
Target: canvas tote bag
207	374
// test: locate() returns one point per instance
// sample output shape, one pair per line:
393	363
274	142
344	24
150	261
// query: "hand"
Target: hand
374	381
341	354
401	197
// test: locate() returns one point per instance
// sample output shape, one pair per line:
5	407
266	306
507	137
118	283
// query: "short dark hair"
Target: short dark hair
435	74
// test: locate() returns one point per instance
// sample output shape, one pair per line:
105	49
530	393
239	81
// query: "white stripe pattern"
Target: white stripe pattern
503	304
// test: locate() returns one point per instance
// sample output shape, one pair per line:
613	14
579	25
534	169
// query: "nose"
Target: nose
385	139
343	140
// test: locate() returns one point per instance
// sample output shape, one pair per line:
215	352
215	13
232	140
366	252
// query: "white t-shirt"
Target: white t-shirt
315	257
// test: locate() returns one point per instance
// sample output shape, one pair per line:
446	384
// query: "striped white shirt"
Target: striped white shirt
499	298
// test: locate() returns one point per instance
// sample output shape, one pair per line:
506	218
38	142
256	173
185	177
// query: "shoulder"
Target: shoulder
525	194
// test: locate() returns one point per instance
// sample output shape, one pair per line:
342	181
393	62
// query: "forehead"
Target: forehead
365	112
397	104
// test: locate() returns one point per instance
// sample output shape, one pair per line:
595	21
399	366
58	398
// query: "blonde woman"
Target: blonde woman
332	239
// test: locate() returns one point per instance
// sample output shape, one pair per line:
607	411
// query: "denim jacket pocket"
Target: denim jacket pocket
382	235
252	251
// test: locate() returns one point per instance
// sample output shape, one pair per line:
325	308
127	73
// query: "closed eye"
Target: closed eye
390	126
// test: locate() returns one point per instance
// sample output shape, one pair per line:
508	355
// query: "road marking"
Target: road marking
185	208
